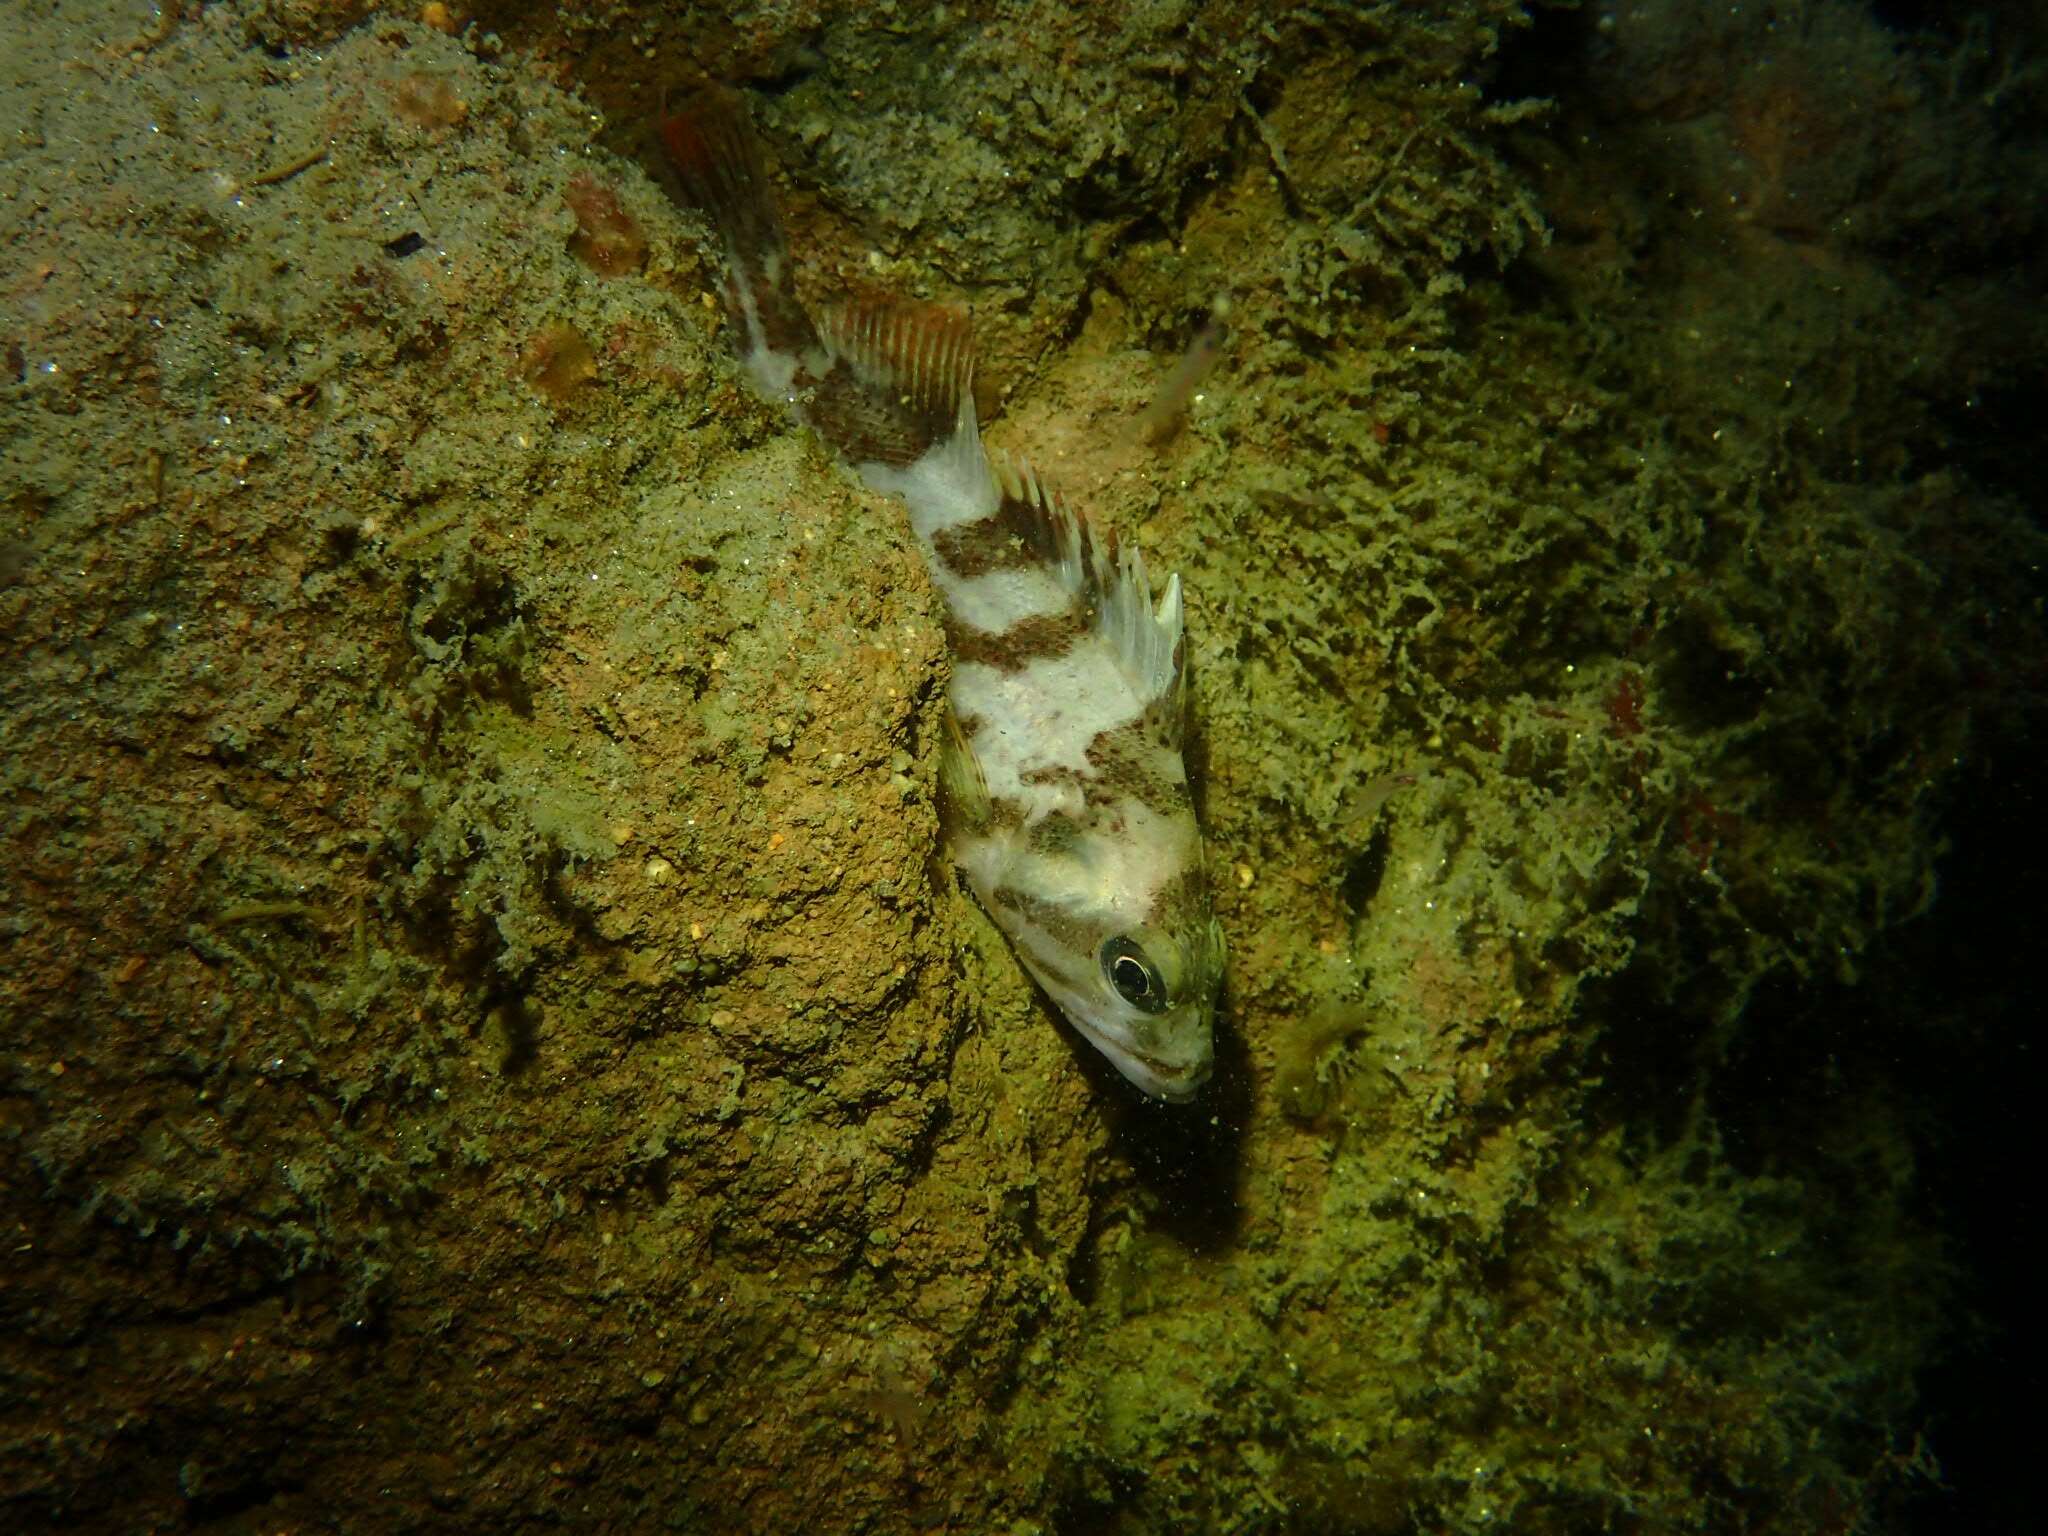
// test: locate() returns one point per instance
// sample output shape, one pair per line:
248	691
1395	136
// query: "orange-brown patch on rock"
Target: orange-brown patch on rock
428	102
558	362
608	240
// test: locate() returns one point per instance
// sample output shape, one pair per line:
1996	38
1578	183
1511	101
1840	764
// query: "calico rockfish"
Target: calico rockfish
1065	794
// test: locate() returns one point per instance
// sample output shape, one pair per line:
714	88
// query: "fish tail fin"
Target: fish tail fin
720	171
710	142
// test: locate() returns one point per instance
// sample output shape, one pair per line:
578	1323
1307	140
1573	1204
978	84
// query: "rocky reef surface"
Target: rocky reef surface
491	1038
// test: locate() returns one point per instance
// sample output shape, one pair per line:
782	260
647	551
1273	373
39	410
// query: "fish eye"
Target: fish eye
1135	977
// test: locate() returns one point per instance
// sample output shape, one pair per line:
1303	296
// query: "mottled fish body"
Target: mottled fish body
1066	793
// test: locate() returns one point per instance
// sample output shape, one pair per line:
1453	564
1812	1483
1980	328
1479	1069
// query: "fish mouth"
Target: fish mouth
1175	1082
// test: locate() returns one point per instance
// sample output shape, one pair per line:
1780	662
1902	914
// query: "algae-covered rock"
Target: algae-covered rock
491	1036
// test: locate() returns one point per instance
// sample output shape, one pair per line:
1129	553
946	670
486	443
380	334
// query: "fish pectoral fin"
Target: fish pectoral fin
962	789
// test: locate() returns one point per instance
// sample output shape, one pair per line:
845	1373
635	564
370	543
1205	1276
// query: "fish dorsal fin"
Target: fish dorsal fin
897	403
1107	577
901	381
920	355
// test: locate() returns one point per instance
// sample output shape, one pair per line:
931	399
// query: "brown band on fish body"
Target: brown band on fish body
1042	635
1016	536
1050	916
1125	762
862	425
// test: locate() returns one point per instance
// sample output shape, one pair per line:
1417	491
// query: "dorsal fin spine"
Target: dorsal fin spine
1108	576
